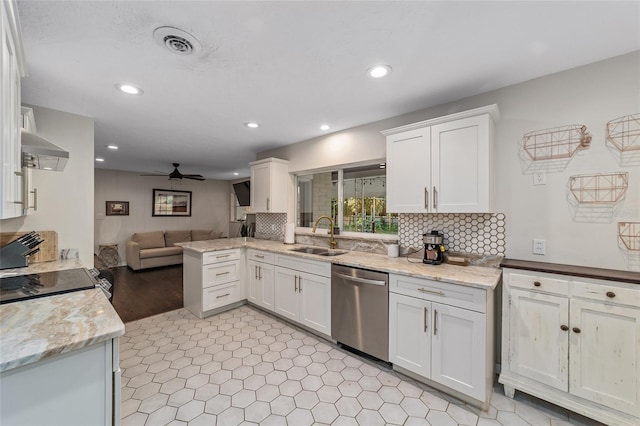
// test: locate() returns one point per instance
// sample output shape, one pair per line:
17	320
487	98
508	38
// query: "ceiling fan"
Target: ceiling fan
176	175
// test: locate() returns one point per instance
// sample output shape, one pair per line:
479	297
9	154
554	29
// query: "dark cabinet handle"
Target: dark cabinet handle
564	327
576	330
611	294
537	283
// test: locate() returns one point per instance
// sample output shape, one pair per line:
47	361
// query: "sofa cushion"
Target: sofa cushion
148	240
171	237
203	234
159	252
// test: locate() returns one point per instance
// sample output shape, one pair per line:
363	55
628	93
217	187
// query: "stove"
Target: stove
23	287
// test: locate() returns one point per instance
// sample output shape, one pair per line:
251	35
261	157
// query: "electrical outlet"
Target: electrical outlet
539	178
539	246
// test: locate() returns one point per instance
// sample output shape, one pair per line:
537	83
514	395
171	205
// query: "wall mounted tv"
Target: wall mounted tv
243	192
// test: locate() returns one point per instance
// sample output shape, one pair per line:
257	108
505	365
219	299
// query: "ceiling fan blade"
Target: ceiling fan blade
194	177
162	175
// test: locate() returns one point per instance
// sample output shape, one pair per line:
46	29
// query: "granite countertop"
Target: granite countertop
578	271
36	268
37	329
473	276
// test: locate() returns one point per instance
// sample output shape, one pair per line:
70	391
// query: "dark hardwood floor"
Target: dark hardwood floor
141	294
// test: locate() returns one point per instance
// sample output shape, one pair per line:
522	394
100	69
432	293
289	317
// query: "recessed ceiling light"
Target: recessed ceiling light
252	125
129	89
379	71
99	160
324	127
47	168
236	173
114	147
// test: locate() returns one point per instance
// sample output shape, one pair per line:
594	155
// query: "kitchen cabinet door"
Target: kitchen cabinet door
286	293
266	277
604	360
314	293
538	346
254	293
11	188
408	171
410	333
269	186
461	171
459	349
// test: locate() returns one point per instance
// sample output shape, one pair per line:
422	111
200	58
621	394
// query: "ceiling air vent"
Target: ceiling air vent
177	41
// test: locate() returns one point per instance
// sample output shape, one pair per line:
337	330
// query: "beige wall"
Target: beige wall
591	95
210	206
65	199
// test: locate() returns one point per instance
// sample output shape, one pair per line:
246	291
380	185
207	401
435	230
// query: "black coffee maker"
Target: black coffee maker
433	248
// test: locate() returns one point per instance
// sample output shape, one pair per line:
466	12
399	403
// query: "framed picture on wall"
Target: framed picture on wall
167	202
117	208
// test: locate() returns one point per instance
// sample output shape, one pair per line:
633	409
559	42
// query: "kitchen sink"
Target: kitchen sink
321	251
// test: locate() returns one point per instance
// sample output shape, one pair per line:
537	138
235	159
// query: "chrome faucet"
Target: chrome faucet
332	241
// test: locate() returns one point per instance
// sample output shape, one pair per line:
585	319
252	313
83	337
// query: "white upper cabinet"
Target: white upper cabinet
269	185
442	165
12	68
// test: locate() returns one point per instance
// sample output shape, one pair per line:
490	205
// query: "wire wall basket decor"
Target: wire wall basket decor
624	133
629	234
556	143
604	188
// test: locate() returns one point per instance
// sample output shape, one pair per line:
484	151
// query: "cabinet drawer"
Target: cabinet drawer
260	256
220	273
450	294
548	283
304	265
220	256
215	297
606	292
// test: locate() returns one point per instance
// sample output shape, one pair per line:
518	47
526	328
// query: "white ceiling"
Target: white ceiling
290	66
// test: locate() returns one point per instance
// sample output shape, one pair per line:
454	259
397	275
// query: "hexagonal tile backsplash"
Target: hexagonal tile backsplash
463	233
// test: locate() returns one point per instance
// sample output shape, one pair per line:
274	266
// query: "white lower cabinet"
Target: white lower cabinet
446	344
260	278
212	280
302	296
410	333
574	342
80	387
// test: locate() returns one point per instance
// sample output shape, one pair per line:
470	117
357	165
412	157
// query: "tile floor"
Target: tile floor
247	367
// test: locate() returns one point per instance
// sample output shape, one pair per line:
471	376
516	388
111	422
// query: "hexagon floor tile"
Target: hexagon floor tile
246	367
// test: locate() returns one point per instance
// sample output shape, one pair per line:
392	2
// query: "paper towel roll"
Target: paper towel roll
290	233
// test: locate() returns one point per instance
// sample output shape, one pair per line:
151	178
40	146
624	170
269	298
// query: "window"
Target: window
355	198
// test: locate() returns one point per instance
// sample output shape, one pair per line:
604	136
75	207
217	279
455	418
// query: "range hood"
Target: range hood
39	153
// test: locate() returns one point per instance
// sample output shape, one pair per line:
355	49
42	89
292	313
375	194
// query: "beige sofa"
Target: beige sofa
153	249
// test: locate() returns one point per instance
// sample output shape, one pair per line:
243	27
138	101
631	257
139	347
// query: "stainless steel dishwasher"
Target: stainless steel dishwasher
360	310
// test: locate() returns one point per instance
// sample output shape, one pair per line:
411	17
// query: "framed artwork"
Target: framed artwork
167	202
117	208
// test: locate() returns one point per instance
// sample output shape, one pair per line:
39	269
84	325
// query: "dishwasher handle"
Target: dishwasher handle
361	280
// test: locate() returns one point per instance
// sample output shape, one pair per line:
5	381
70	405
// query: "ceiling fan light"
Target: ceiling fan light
252	124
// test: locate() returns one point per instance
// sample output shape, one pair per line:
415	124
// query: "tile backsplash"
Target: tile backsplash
473	233
270	226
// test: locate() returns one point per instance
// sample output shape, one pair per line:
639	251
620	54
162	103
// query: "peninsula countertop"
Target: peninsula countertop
37	329
473	276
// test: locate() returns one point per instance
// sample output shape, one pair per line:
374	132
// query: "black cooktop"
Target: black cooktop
22	287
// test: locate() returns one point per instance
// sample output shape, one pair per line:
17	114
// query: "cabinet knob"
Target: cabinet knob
576	330
611	294
564	327
537	283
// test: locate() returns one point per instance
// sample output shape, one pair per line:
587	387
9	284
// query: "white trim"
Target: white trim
489	109
16	33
